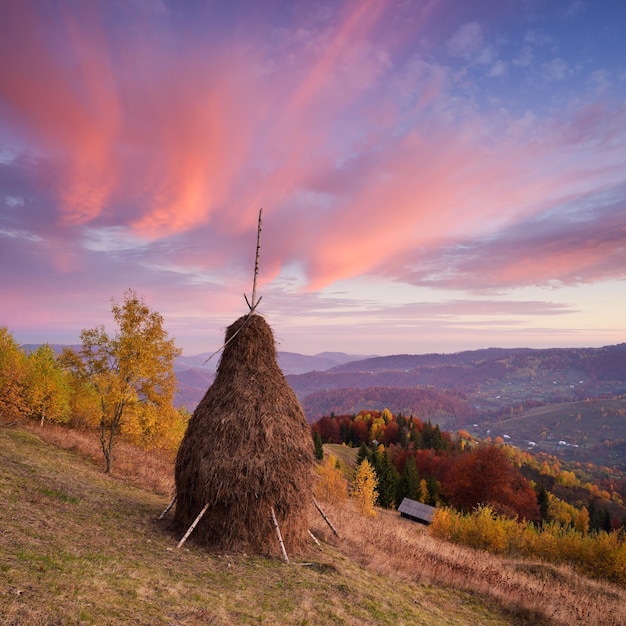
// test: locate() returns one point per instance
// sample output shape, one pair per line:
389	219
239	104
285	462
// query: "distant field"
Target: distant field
589	430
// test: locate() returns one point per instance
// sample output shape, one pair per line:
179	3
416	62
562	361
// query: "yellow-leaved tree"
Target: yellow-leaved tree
364	488
12	376
46	387
132	374
332	486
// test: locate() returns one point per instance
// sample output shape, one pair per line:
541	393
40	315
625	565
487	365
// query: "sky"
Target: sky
434	175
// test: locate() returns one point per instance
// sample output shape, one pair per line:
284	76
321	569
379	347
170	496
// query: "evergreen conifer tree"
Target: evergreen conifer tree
318	446
387	480
364	453
409	483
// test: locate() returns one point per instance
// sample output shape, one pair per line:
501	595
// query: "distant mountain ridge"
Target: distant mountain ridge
195	373
493	379
465	387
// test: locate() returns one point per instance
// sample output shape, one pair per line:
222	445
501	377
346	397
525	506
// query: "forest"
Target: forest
417	459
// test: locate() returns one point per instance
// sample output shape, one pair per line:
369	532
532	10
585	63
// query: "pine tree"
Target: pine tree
543	502
387	480
318	446
364	453
433	490
409	483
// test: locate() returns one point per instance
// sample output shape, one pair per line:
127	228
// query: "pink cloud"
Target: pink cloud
362	155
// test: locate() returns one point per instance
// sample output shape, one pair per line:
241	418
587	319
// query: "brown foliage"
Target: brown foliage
487	476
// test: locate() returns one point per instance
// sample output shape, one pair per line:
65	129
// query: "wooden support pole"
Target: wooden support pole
319	508
280	537
315	539
195	523
169	506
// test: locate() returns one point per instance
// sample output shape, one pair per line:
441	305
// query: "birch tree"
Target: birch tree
133	371
47	389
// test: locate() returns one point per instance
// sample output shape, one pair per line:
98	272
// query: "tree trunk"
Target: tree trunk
107	432
106	446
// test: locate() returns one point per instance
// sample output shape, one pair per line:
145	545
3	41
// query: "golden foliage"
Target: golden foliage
600	555
332	485
12	376
364	489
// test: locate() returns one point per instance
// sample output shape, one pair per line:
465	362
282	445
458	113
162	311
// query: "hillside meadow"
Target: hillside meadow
80	547
592	430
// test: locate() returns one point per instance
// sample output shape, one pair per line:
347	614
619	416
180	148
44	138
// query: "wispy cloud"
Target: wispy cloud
139	140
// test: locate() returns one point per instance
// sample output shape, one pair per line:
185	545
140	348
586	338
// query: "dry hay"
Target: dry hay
247	449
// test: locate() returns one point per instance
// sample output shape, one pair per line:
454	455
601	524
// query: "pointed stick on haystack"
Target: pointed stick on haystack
255	303
252	305
280	537
319	508
195	523
246	453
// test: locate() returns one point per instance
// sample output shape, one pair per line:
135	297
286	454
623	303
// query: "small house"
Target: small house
417	511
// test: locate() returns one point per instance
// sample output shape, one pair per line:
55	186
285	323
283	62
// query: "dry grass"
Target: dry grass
393	556
533	591
152	470
80	547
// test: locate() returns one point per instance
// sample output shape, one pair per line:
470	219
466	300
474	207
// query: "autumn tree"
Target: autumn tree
332	486
46	387
132	372
84	400
12	376
364	488
486	476
581	523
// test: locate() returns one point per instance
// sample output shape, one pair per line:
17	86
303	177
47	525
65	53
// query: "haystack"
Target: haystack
247	450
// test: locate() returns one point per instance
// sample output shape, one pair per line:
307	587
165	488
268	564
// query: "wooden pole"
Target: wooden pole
315	539
319	508
280	537
169	506
195	523
252	304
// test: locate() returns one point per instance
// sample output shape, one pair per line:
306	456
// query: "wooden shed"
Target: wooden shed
417	511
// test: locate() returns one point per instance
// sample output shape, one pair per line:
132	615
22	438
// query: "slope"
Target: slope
78	547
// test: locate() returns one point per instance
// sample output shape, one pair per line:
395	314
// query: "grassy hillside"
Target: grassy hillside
590	430
78	547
